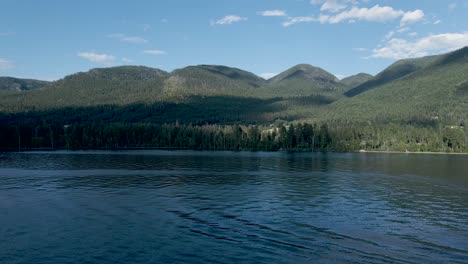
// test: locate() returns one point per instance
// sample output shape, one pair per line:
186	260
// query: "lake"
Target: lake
232	207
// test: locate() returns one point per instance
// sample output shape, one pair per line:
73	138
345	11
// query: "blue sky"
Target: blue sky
49	39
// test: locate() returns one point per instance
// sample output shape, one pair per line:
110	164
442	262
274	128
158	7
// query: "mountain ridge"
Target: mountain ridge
423	89
20	84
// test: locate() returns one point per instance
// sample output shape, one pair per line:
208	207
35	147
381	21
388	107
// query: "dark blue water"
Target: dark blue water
225	207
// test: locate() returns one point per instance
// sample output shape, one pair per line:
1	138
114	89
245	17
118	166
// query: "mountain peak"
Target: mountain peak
305	72
122	73
221	71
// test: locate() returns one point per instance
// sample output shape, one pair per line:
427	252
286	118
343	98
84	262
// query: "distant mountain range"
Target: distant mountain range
411	90
19	85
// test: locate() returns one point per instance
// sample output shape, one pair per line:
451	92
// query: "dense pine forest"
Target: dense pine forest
413	105
291	137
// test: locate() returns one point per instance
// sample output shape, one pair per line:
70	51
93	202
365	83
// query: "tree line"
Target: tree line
292	136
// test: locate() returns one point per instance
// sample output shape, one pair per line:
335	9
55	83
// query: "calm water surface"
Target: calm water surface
228	207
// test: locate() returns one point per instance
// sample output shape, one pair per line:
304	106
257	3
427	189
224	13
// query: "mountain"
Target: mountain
235	74
126	85
304	80
209	80
214	91
356	80
102	86
394	72
304	72
16	84
434	90
423	91
122	73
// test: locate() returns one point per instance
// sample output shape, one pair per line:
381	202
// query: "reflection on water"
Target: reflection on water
224	207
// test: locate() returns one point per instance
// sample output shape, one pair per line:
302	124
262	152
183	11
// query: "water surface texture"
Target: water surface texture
232	207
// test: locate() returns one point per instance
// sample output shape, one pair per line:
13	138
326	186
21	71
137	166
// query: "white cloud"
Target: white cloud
268	75
437	22
295	20
155	52
403	29
412	17
374	14
5	65
333	5
129	39
389	35
227	20
393	33
98	58
127	60
432	44
272	13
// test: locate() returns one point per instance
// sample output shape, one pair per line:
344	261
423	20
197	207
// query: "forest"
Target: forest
415	105
288	137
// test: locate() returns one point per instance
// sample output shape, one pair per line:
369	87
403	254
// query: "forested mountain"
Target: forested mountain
394	72
304	72
414	90
435	90
211	80
108	86
142	85
356	80
121	73
16	84
416	104
304	80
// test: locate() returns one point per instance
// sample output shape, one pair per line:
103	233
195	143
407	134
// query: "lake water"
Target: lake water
232	207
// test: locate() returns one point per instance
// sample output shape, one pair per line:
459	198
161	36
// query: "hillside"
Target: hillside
356	80
211	80
394	72
117	85
122	73
424	91
19	85
304	80
435	91
127	85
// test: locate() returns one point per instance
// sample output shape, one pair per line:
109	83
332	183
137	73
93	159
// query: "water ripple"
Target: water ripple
229	207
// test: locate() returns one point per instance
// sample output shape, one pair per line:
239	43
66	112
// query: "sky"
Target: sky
50	39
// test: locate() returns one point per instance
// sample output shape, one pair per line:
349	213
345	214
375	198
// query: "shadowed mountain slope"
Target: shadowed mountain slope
19	85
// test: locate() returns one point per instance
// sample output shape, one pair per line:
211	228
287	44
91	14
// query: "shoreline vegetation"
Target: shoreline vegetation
240	150
298	137
409	152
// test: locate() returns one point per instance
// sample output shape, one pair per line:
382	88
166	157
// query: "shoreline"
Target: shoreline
240	150
410	152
